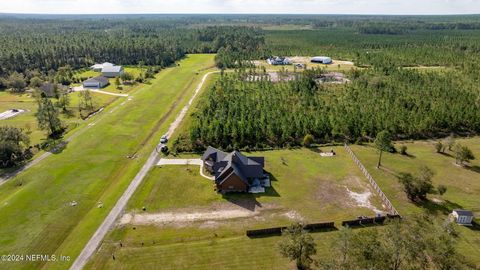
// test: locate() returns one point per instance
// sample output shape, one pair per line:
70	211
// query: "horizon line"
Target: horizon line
244	13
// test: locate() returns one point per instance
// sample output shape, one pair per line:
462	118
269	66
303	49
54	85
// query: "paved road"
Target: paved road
109	221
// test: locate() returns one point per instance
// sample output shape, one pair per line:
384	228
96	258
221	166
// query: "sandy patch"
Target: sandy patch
363	200
210	217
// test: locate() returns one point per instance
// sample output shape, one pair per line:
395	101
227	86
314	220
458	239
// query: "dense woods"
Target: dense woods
39	47
408	103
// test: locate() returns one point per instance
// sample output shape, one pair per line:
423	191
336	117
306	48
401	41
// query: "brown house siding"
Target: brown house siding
233	183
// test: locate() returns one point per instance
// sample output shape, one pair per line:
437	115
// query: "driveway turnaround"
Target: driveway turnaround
109	221
185	162
80	88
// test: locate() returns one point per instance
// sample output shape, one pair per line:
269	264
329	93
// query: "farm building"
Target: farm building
99	67
112	71
322	60
462	217
235	172
278	61
96	82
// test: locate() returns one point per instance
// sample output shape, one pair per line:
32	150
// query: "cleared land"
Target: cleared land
184	215
28	121
134	71
93	168
463	184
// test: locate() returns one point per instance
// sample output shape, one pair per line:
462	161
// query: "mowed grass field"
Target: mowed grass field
35	206
306	187
27	120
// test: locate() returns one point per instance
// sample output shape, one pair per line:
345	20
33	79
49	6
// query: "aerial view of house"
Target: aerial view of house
235	172
240	134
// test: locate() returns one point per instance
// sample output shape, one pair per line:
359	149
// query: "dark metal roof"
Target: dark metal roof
463	212
234	162
49	88
100	79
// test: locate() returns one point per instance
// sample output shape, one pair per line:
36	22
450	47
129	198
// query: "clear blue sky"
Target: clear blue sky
242	6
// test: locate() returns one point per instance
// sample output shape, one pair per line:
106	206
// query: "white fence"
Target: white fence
382	195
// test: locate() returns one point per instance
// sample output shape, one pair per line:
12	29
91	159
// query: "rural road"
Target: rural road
109	221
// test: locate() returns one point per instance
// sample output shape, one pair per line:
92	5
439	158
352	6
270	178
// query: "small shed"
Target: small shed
96	82
322	60
463	217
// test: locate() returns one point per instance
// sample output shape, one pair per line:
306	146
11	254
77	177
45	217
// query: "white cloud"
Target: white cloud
242	6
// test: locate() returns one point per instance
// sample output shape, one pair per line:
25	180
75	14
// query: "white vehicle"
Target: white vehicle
164	139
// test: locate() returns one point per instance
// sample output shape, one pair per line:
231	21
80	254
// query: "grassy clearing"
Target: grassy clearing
463	184
28	121
94	167
303	183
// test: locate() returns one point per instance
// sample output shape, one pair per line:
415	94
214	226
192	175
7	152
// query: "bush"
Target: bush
439	147
308	140
441	189
403	150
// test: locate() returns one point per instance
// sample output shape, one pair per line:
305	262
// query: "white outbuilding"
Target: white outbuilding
322	60
462	217
99	67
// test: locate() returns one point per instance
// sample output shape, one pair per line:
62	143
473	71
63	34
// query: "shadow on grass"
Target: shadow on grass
445	207
445	154
248	200
475	226
474	168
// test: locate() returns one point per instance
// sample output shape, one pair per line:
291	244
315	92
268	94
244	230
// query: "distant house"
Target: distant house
96	82
52	89
235	172
112	71
462	217
99	67
322	60
276	60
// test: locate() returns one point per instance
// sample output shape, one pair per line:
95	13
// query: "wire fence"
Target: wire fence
382	195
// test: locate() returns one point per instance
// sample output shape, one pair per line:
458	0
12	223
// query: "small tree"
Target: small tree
417	187
441	189
383	142
463	154
117	82
86	102
298	246
35	82
47	117
403	150
16	82
308	140
439	147
63	101
13	146
450	142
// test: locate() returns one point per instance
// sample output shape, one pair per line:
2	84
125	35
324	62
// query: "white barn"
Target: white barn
112	71
463	217
322	60
99	67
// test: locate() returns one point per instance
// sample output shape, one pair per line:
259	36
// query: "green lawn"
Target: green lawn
34	206
463	184
304	183
28	121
